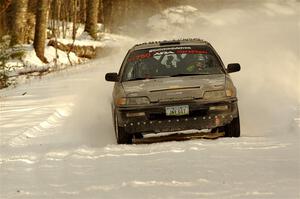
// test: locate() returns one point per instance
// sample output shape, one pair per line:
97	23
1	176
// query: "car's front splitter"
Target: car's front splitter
177	124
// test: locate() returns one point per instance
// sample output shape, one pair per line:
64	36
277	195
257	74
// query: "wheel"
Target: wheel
233	128
122	136
138	136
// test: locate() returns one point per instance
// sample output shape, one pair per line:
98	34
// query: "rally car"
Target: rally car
175	85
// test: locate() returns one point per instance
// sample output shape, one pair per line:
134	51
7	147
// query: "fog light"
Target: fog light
136	114
218	108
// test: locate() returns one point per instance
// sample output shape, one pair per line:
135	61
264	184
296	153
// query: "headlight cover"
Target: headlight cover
133	101
230	89
137	100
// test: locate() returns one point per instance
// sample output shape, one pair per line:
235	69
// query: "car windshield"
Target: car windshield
170	62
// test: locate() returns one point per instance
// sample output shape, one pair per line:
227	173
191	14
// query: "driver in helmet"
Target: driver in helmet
197	65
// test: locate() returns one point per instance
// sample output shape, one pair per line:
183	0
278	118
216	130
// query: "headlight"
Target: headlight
133	101
214	94
137	100
230	89
218	108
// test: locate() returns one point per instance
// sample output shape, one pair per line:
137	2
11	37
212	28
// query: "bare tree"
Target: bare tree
55	8
19	19
40	29
74	12
74	30
92	18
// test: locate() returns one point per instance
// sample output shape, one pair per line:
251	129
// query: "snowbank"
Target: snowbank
29	63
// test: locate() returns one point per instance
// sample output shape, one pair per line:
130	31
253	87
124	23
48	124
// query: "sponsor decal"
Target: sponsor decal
171	48
191	52
141	56
166	51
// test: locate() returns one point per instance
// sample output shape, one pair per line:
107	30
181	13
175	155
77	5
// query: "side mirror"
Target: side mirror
235	67
112	77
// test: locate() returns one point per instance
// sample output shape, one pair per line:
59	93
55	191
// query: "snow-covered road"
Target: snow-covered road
57	138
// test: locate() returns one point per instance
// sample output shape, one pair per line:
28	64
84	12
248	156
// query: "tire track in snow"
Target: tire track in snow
43	128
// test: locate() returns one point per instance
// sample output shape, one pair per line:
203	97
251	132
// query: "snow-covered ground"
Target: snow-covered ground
57	138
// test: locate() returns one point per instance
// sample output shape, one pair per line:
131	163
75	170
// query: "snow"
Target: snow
273	8
57	138
32	61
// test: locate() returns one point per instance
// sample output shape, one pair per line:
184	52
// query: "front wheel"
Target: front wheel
233	128
122	136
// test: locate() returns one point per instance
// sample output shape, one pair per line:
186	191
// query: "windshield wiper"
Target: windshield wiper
188	74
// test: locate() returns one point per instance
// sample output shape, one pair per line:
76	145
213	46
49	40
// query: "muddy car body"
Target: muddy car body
173	85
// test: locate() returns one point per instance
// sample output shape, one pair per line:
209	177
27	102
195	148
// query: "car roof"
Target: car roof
166	43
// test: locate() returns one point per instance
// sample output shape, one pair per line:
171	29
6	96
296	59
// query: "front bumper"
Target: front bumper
155	119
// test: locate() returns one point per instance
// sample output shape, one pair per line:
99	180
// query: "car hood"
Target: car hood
174	88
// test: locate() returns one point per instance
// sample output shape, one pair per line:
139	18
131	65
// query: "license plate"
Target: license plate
177	110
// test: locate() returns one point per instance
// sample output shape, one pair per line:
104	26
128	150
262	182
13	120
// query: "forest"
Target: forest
23	14
38	21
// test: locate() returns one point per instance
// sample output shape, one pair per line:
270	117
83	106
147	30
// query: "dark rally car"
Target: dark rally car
173	85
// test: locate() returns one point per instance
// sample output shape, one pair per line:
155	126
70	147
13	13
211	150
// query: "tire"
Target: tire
233	128
122	136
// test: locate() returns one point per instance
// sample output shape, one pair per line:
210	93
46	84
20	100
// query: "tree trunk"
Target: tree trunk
82	11
100	12
74	29
63	19
81	51
92	18
107	14
3	24
19	20
40	29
